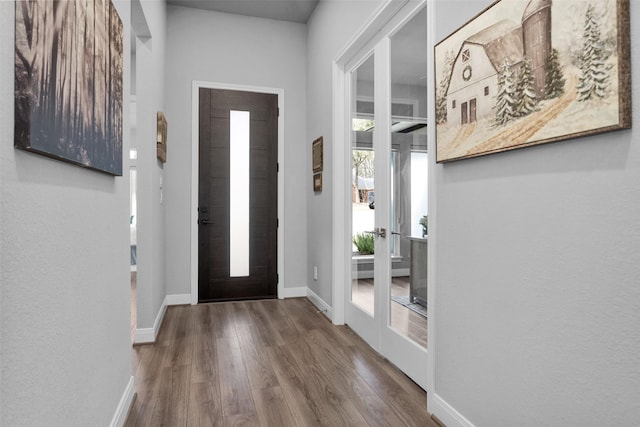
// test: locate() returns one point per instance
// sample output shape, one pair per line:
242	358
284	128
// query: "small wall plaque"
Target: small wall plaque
161	147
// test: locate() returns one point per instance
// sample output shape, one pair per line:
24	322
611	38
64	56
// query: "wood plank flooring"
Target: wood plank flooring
405	321
267	363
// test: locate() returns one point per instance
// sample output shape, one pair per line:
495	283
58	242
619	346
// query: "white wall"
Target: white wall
332	25
150	63
537	275
232	49
66	354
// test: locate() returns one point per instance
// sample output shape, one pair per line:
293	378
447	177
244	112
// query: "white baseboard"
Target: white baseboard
300	291
122	410
178	299
447	414
148	335
396	272
320	304
400	272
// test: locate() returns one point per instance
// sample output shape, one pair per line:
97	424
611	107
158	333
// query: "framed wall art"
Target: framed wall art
316	150
528	72
161	145
68	82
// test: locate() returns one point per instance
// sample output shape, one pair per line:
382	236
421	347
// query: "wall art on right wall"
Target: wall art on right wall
528	72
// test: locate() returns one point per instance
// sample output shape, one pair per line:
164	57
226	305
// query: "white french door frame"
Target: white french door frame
374	38
195	143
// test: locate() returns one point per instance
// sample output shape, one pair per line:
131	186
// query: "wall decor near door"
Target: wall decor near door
161	145
68	82
317	157
317	182
528	72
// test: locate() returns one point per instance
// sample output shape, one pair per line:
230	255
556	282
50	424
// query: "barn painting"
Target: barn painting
527	72
69	81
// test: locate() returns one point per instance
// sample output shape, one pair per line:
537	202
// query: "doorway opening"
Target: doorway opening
133	237
133	194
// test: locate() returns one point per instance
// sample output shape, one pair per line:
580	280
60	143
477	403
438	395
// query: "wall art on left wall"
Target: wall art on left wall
69	82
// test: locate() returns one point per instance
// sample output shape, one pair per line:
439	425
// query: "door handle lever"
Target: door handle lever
204	221
379	232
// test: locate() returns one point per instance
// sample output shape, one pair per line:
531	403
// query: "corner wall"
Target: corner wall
332	25
239	50
537	265
151	230
66	354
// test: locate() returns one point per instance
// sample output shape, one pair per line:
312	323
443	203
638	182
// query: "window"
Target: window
453	104
466	55
486	91
239	193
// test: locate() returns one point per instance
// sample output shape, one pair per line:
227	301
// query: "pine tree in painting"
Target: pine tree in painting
506	101
554	77
525	90
594	78
443	85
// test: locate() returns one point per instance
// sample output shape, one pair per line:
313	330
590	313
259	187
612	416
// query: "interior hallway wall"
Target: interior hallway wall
537	266
66	354
232	49
151	230
332	25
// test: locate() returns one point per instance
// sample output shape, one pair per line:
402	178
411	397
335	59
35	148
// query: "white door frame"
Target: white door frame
385	21
195	116
433	211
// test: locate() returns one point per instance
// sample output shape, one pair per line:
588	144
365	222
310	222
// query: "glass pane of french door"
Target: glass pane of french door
409	209
362	186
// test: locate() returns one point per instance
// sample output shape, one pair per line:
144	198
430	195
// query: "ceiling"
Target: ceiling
282	10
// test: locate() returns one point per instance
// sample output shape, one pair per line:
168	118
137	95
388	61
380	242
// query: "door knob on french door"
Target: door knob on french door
379	232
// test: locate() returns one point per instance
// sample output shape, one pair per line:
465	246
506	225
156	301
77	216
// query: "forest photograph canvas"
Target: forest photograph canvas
527	72
69	81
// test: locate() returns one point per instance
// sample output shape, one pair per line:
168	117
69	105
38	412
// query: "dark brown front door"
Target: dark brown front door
218	280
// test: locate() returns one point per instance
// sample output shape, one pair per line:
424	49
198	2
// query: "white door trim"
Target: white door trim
196	85
433	213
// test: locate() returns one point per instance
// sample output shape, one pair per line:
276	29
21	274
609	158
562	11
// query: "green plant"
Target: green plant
364	243
423	223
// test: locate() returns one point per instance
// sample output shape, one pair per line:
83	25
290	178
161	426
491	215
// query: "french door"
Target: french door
385	304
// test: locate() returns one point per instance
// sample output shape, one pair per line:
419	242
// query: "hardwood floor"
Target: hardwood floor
405	321
267	363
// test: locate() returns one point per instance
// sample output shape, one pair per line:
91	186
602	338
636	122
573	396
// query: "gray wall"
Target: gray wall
232	49
537	275
150	76
331	27
66	354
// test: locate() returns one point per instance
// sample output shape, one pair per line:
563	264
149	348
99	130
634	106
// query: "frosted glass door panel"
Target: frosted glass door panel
239	193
